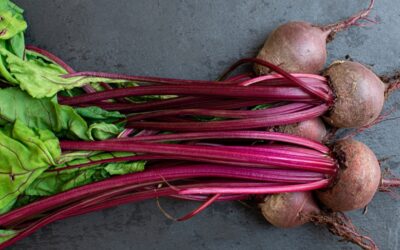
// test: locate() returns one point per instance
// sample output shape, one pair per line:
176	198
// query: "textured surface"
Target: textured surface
198	39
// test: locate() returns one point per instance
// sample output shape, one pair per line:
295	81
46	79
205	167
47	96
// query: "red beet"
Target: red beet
359	95
313	129
301	46
285	210
357	180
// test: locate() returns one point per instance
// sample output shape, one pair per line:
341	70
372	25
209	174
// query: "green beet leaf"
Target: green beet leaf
53	182
46	113
12	37
95	114
6	234
24	155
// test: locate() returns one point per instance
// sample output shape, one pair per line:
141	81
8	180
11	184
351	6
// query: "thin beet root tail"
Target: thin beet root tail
378	120
390	182
392	87
351	21
341	225
388	185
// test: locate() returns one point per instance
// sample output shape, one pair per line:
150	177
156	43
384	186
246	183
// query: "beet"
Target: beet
313	129
357	180
296	47
301	46
285	210
359	95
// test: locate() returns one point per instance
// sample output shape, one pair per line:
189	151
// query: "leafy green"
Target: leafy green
24	155
121	168
52	182
46	113
41	78
261	106
6	234
23	200
12	38
103	131
96	114
12	23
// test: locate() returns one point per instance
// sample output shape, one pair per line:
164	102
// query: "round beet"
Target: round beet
301	46
289	210
313	129
295	47
359	95
285	210
357	180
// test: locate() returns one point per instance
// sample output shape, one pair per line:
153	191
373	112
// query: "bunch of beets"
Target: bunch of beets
76	142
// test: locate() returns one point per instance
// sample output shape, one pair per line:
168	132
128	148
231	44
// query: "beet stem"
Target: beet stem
150	175
243	134
207	154
328	97
257	190
280	110
200	208
239	124
269	92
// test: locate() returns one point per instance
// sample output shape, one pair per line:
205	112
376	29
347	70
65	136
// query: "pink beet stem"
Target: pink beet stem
316	92
227	125
126	132
150	175
283	109
204	197
200	208
256	190
93	204
187	102
254	135
206	154
270	93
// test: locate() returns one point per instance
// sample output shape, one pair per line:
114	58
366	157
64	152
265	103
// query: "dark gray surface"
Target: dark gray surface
198	39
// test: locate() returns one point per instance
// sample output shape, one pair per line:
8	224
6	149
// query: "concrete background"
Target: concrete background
198	39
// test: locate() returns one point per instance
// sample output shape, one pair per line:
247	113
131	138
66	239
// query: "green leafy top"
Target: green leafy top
46	113
12	21
24	155
53	182
12	26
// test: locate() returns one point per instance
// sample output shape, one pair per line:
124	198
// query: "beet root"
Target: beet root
357	180
313	129
301	46
295	47
285	210
359	95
